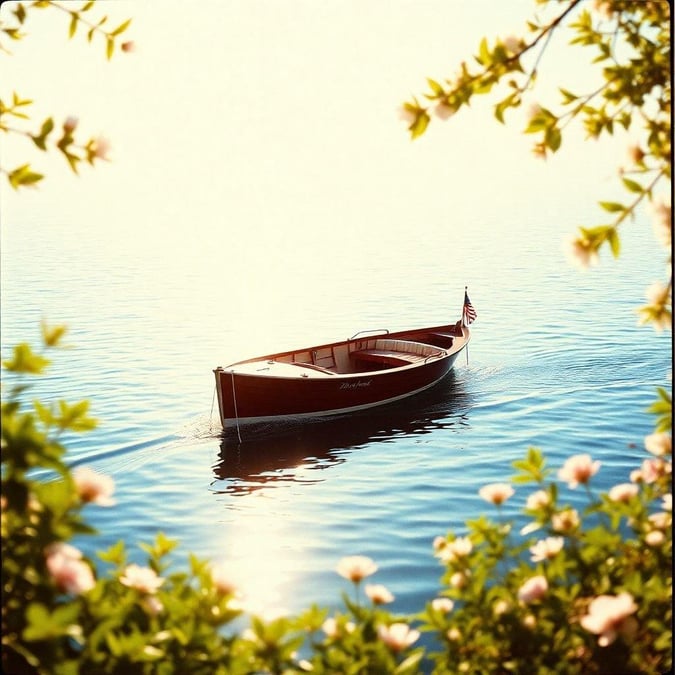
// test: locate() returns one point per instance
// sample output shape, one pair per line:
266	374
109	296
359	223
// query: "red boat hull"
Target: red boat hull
246	397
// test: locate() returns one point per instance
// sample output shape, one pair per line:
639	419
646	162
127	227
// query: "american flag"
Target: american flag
468	312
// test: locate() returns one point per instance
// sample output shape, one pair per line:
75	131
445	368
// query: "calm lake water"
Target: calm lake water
556	361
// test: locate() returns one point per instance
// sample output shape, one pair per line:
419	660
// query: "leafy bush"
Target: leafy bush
589	592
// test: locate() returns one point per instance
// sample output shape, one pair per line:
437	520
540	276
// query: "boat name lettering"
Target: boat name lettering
355	385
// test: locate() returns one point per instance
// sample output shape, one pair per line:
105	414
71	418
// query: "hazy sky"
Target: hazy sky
261	113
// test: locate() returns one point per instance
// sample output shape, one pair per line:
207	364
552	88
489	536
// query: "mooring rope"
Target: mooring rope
213	400
234	399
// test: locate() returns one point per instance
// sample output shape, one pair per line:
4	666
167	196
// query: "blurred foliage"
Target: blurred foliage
631	45
594	593
14	116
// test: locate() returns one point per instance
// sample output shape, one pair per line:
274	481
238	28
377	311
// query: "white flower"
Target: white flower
460	579
606	616
581	252
458	548
398	636
546	549
533	589
442	605
453	635
496	493
356	567
623	492
667	504
143	579
378	594
538	500
659	444
501	607
660	520
655	538
578	469
93	487
566	521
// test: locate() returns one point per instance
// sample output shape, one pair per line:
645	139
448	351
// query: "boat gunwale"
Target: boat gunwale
455	348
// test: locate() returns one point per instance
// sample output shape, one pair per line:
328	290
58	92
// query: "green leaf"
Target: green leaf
46	625
73	24
614	242
23	176
26	361
612	207
110	47
419	126
87	6
20	13
51	335
121	28
632	185
436	88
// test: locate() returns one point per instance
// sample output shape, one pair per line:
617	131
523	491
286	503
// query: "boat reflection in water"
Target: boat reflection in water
295	453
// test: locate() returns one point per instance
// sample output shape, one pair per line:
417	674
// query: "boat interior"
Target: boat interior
363	355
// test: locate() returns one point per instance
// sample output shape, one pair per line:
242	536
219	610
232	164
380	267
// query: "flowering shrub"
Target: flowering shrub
591	590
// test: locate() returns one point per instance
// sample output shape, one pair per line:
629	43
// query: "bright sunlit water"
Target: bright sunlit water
263	195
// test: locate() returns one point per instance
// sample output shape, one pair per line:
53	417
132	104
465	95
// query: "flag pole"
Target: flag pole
466	290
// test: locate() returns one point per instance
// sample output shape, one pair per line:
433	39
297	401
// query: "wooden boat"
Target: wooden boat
340	377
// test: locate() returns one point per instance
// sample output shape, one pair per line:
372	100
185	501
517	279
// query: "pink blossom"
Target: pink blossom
546	549
152	605
659	444
623	492
398	636
333	629
533	589
607	615
93	487
356	567
143	579
129	46
578	469
444	110
581	252
378	594
513	44
101	147
407	114
222	580
496	493
566	521
70	124
70	573
653	469
663	220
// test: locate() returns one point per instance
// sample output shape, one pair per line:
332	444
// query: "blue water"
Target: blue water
556	361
